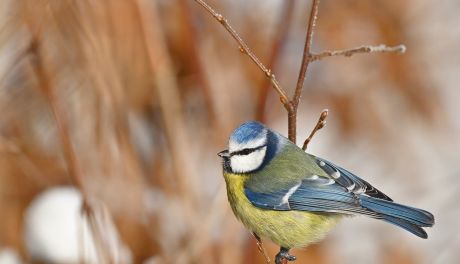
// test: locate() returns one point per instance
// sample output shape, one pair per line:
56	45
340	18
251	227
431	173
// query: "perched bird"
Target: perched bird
293	198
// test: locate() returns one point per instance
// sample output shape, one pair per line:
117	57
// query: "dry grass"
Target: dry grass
130	100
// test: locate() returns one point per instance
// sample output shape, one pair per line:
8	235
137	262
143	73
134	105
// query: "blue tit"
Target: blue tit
280	192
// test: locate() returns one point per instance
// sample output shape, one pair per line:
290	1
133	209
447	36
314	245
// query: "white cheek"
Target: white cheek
250	162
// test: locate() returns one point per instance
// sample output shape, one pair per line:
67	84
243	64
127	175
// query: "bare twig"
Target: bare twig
62	128
246	50
320	124
306	52
363	49
278	43
292	115
260	247
290	105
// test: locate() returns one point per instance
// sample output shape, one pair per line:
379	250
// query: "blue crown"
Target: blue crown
247	132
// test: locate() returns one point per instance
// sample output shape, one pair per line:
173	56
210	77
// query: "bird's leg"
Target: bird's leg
261	248
284	254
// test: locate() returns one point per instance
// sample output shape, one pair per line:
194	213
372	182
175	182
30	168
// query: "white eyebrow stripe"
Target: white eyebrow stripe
291	191
261	140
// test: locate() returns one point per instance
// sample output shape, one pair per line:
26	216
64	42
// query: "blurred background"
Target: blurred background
112	113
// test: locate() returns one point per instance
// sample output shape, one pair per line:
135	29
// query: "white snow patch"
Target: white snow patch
56	231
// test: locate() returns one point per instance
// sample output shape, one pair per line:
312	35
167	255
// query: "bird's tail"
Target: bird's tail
410	218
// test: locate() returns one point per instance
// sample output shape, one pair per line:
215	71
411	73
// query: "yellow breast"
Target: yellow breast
286	228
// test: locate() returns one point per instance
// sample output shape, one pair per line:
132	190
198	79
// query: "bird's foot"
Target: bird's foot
284	254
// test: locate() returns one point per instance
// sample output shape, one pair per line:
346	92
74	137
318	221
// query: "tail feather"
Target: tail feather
410	218
414	215
414	229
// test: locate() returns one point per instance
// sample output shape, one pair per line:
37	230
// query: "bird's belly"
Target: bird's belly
286	228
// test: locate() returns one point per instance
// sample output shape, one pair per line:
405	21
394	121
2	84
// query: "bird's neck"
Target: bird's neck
235	182
235	189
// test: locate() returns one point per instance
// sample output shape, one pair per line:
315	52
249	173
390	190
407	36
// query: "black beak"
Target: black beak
223	154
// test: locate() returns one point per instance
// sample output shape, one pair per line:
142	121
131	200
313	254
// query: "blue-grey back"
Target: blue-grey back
288	166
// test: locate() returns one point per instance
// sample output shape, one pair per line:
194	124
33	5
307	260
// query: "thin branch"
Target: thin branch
260	247
292	115
62	128
277	46
320	124
306	52
246	50
363	49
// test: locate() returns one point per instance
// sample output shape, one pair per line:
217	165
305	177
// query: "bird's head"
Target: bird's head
251	146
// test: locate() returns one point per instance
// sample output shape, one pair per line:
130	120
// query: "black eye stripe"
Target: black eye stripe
246	151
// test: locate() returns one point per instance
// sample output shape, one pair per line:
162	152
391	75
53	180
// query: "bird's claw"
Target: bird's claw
284	254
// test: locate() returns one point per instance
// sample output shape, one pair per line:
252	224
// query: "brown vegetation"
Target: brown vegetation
129	101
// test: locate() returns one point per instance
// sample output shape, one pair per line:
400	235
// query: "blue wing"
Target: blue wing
314	194
328	195
349	180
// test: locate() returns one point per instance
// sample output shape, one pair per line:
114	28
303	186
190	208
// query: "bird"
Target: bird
281	193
